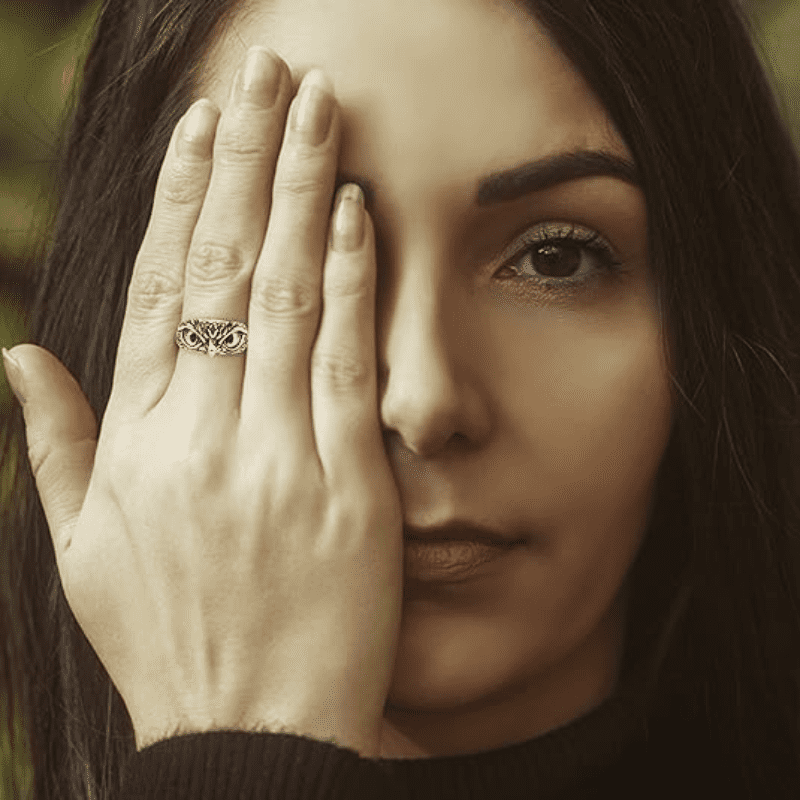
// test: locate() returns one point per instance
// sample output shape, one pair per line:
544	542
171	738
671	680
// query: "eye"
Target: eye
560	256
190	337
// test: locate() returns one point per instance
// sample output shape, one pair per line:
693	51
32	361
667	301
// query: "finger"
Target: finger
146	352
285	298
61	431
230	231
343	363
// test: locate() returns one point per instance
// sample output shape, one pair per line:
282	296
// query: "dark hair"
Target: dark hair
715	589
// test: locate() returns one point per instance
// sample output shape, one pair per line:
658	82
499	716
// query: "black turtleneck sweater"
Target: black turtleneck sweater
608	753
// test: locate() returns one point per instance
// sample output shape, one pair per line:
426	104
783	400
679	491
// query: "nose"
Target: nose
432	393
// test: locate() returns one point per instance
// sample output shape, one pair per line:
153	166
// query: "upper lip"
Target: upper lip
462	529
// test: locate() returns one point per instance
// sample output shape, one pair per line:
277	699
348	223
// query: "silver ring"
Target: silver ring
214	337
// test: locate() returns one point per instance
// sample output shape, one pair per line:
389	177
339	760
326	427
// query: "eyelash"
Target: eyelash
556	234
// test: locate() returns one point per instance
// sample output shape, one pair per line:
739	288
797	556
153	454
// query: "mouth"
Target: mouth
464	532
456	553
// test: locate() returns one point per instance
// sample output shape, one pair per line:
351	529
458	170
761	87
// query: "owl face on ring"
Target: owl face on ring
212	336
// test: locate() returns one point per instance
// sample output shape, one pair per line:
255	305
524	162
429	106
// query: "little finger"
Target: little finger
343	361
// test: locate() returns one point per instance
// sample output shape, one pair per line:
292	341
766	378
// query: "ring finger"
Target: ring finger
231	227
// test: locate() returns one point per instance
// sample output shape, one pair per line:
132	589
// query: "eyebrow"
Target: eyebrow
545	173
533	176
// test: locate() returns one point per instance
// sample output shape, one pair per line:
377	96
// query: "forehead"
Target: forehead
448	90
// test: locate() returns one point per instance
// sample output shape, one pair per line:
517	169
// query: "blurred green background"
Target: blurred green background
42	45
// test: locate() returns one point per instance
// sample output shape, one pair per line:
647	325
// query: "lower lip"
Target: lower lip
449	561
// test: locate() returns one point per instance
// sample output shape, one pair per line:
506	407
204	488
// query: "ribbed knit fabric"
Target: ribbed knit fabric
588	759
603	754
236	765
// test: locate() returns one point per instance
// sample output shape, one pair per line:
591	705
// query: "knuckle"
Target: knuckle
152	289
346	284
192	458
183	187
237	142
297	181
283	297
340	372
38	453
204	471
212	263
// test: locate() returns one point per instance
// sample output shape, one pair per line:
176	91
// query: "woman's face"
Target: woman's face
504	403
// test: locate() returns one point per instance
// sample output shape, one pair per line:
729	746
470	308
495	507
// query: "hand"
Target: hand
231	545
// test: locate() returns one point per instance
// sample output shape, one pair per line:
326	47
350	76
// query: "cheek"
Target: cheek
592	407
590	398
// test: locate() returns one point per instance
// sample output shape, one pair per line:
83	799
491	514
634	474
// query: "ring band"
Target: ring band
214	337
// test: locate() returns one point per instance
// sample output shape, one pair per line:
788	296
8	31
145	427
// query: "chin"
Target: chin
448	661
436	683
429	697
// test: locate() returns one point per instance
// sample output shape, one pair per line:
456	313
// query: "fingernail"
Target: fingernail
14	375
260	79
197	131
348	219
313	111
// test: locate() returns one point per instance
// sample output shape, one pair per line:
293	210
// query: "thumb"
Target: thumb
61	430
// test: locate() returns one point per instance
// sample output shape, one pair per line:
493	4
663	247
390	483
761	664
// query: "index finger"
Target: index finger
146	353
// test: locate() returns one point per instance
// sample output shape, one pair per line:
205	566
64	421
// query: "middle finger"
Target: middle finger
286	294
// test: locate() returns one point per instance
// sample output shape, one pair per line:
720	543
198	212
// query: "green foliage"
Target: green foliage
18	766
778	31
37	73
38	65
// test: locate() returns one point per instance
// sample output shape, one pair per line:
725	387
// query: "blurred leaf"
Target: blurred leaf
22	203
782	43
52	70
38	71
19	767
777	27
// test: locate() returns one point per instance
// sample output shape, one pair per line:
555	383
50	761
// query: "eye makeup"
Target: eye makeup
558	247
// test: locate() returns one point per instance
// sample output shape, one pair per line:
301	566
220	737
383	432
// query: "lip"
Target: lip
459	530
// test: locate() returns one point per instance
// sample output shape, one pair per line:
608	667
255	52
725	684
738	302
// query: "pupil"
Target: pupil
559	258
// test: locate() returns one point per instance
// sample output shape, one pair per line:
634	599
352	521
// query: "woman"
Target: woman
567	319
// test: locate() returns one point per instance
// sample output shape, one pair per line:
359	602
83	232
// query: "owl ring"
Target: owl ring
215	337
